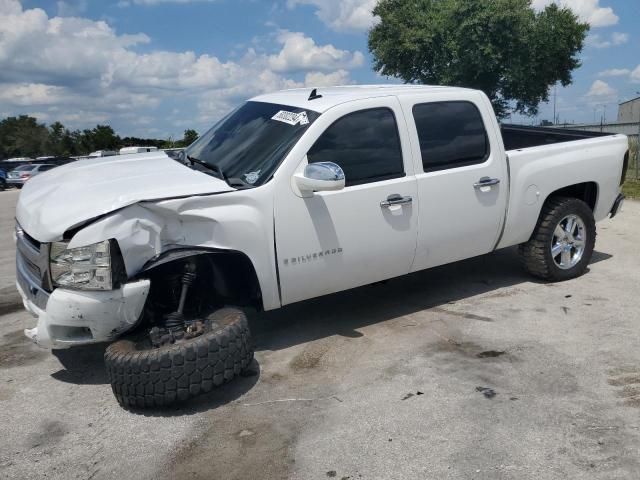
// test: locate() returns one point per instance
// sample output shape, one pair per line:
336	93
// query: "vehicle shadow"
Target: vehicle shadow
338	314
345	312
82	365
85	366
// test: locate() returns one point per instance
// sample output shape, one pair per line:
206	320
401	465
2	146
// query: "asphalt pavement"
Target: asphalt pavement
467	371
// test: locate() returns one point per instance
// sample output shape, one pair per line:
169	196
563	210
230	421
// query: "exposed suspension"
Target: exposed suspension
176	327
175	321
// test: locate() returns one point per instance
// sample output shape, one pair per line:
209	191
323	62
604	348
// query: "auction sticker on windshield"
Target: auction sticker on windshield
291	118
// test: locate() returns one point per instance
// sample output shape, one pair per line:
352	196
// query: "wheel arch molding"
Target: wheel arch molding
230	274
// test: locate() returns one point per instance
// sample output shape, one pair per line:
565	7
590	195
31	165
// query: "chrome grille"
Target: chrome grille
32	268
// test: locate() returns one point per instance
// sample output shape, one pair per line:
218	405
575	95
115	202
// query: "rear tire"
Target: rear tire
554	253
142	376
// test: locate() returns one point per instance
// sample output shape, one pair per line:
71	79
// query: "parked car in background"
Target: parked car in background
102	153
3	179
21	175
132	150
18	160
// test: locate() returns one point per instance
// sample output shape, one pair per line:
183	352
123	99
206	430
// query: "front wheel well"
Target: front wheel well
222	278
587	192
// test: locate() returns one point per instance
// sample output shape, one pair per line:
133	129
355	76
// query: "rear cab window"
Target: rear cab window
365	144
452	134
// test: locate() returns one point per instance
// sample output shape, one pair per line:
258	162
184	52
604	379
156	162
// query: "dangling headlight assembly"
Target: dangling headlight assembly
85	268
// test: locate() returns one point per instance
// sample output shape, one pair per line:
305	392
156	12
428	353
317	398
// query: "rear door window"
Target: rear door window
451	135
365	144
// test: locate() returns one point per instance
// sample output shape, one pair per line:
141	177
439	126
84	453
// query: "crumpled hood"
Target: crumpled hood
53	202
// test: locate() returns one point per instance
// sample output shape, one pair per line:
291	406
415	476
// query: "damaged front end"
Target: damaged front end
161	270
100	307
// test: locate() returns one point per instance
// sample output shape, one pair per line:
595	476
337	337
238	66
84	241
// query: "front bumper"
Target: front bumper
16	181
68	318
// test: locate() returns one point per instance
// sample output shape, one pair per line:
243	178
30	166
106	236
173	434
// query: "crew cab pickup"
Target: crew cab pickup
294	195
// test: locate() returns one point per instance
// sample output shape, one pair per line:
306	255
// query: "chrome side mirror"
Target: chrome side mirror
320	177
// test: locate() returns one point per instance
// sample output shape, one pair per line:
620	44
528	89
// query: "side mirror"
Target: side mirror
320	177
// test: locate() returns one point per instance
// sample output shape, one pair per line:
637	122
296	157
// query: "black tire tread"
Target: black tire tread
160	377
533	253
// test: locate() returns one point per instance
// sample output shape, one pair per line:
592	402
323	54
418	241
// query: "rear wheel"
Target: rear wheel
563	241
142	375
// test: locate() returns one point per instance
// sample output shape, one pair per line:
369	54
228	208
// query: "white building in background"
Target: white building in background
130	150
102	153
629	111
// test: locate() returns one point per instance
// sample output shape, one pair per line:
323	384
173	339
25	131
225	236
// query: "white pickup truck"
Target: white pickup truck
294	195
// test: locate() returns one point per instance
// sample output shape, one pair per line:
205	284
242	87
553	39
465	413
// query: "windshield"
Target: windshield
247	146
23	168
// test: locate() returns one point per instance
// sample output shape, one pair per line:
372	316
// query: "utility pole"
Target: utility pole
637	144
555	99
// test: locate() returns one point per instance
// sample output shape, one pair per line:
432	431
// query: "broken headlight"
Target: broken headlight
85	268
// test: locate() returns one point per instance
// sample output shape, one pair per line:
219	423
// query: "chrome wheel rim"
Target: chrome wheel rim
568	242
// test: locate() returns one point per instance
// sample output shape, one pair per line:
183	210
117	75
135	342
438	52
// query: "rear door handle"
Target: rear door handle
486	182
396	199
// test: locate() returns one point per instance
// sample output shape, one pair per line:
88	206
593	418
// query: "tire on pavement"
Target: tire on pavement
142	376
543	256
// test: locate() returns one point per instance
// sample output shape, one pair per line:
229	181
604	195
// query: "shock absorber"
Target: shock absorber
175	321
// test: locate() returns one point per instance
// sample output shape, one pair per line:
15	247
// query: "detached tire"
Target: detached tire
563	241
143	377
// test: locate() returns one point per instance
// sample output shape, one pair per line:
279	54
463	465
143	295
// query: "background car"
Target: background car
19	176
3	179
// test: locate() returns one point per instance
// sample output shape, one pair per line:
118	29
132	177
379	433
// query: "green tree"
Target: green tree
502	47
22	136
104	138
56	139
190	136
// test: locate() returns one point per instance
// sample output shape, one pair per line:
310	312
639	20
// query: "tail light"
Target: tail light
625	167
25	175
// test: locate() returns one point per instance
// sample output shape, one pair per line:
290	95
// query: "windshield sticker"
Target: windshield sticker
291	118
252	177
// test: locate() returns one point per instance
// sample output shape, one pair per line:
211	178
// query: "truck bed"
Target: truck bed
516	137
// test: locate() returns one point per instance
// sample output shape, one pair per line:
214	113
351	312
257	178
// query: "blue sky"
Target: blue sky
156	67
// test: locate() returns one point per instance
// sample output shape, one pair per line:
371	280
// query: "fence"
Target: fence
631	130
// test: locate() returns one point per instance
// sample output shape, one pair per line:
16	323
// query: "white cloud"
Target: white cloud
301	53
614	72
588	11
602	92
70	8
10	7
77	69
356	15
616	39
319	79
127	3
635	75
30	94
342	15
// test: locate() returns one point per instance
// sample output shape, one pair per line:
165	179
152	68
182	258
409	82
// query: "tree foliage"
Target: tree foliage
23	136
190	136
502	47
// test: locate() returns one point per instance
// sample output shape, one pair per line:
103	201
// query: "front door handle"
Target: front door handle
396	199
486	182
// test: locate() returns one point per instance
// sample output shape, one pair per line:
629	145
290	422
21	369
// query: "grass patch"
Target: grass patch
631	189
